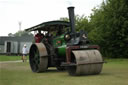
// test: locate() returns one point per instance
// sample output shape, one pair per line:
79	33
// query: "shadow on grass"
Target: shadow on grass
57	71
105	74
52	70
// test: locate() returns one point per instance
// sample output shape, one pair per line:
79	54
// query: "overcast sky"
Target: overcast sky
33	12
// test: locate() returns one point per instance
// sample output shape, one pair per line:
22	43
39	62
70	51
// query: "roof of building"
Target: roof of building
18	39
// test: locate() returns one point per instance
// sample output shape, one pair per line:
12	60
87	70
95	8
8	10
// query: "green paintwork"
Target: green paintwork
62	50
60	44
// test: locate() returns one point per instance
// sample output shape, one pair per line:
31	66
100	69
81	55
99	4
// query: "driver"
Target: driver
39	36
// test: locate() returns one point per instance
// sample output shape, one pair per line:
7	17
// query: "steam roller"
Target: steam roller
57	44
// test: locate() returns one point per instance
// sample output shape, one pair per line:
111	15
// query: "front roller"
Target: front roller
38	57
88	62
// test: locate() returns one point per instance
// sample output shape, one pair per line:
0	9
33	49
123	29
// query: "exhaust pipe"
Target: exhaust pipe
72	19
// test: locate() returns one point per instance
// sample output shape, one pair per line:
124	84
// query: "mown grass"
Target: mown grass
115	72
9	58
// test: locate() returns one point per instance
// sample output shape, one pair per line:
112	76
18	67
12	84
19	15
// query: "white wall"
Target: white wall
1	48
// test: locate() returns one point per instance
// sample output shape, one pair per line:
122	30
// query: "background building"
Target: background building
14	45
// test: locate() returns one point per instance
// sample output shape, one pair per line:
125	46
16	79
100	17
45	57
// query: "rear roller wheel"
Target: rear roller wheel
88	62
38	57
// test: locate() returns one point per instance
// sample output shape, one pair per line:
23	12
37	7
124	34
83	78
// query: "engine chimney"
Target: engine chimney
72	19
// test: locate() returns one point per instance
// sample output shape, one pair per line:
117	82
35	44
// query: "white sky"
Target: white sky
33	12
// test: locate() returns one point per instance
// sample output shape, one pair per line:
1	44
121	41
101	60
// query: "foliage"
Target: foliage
21	33
110	28
10	34
81	23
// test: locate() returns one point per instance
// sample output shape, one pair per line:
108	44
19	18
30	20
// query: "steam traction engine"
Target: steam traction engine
62	47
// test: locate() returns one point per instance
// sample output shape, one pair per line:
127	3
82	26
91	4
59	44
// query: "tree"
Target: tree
81	23
10	34
110	28
21	33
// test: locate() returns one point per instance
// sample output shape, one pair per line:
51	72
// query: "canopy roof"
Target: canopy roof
49	26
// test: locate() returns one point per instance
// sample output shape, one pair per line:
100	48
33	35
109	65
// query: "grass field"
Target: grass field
115	72
9	58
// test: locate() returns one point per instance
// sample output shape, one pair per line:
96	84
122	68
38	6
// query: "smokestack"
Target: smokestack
72	19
